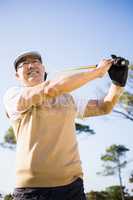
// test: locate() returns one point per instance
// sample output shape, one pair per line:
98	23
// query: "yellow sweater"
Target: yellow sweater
47	151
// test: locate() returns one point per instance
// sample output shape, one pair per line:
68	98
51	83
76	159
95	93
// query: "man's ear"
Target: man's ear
45	73
45	76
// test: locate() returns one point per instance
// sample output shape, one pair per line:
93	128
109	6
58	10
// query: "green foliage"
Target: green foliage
10	137
126	100
83	128
114	192
131	178
119	149
112	156
95	195
8	197
110	193
114	153
131	67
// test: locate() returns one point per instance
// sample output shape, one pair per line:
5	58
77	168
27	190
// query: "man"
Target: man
42	114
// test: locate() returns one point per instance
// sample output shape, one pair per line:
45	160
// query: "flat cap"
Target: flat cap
22	57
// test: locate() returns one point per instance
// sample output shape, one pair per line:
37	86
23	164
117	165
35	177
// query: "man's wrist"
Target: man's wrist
117	89
98	72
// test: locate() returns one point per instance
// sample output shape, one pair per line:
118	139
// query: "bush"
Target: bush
8	197
10	137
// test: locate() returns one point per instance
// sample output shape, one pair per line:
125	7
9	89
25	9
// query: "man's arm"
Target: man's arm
71	82
64	84
105	106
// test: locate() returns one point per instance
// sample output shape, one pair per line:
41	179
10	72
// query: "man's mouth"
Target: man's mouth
32	73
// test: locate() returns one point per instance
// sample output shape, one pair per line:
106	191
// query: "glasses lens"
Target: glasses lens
26	63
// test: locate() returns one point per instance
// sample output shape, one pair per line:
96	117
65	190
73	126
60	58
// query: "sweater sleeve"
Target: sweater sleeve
10	100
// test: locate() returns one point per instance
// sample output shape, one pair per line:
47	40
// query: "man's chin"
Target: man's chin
33	81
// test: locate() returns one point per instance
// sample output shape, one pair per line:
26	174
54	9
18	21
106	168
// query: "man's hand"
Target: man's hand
103	66
119	71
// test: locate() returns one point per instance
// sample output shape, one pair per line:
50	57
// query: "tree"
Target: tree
8	197
96	195
131	177
9	139
10	136
110	193
113	162
114	192
80	128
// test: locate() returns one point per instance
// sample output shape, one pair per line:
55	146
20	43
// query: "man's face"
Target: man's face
30	71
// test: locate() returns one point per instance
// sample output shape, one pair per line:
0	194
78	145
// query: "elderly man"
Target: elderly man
42	114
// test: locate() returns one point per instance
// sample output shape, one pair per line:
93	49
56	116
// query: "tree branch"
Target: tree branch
123	114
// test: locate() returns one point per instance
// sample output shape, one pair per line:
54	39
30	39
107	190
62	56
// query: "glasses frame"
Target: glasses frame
25	63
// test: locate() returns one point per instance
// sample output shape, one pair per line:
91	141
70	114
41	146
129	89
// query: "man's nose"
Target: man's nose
30	66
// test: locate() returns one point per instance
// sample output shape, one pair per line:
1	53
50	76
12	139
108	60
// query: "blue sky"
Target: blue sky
68	33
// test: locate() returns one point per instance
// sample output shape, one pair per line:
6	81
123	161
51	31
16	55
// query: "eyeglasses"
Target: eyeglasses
26	63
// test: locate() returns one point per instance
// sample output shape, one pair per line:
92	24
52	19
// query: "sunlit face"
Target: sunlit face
30	71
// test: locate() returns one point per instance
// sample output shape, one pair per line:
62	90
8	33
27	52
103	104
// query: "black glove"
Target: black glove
119	71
